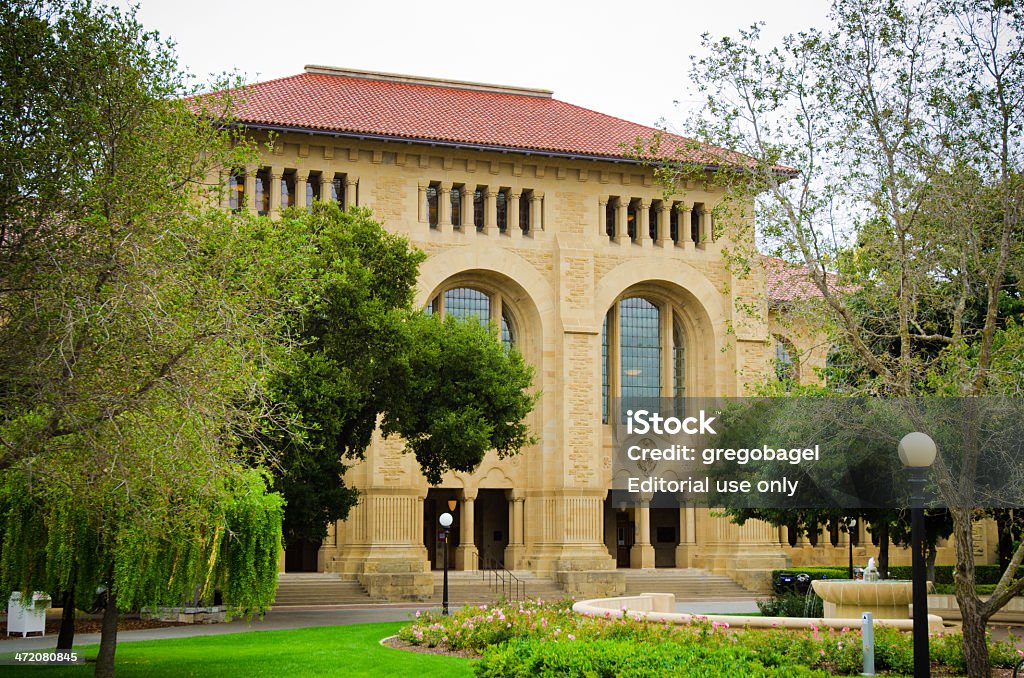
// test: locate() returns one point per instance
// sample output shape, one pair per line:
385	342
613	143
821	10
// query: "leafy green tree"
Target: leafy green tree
886	150
136	327
449	388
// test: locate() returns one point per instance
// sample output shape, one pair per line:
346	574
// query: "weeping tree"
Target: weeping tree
137	328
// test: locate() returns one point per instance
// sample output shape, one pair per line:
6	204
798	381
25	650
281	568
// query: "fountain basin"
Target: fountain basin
846	598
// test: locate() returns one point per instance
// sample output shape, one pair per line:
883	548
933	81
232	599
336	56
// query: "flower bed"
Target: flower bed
536	638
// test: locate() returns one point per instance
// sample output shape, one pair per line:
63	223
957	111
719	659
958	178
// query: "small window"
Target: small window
432	205
312	189
263	191
236	191
652	219
609	217
525	201
478	209
338	189
456	197
673	223
786	368
502	205
698	207
288	189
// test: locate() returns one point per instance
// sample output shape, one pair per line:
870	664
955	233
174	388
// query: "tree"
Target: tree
136	327
449	389
887	151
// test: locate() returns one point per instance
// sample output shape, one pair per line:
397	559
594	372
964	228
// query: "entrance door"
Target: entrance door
624	536
301	556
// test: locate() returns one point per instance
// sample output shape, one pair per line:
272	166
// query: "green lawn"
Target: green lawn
349	651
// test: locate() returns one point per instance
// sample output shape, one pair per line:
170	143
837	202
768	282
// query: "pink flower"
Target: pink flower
822	652
572	637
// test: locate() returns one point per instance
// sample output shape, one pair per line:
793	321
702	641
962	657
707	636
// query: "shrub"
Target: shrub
791	604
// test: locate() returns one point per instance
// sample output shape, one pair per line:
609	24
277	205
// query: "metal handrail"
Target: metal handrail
510	585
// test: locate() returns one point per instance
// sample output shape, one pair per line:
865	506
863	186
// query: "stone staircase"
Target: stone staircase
469	588
686	584
318	588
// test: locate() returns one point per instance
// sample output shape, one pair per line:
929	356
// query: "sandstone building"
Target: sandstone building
533	215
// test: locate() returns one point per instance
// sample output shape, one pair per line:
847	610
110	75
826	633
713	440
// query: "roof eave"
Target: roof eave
452	144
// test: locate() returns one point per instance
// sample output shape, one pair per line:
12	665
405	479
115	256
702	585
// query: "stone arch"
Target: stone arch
699	306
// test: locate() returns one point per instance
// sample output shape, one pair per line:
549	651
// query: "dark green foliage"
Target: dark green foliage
627	659
457	394
791	604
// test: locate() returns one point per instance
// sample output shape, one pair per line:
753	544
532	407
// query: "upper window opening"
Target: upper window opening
610	213
652	219
432	205
502	205
698	207
236	191
632	213
288	189
525	201
456	201
478	209
312	189
263	191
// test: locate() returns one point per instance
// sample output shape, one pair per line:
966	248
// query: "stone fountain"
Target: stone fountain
850	598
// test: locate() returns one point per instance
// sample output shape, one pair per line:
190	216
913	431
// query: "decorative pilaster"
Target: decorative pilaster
421	202
602	216
351	191
687	536
466	555
536	213
642	553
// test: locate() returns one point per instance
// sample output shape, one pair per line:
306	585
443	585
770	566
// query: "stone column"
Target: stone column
687	535
685	240
490	213
421	203
512	213
707	231
602	216
326	183
444	208
351	191
466	554
621	231
516	547
642	553
301	177
643	224
536	213
664	215
250	189
275	191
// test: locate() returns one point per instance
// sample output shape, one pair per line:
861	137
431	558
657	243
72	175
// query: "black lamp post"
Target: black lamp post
446	522
852	523
917	452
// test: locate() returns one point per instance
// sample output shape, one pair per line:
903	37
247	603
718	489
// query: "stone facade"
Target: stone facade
553	281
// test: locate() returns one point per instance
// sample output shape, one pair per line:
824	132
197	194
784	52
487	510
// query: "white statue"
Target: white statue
871	572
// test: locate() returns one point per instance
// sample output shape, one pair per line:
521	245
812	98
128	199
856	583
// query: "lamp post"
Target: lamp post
446	522
852	523
917	452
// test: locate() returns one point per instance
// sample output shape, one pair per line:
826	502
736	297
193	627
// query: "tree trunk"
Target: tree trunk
108	639
883	551
66	637
974	621
975	648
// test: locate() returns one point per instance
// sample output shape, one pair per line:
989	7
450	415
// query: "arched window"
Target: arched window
787	369
643	355
470	302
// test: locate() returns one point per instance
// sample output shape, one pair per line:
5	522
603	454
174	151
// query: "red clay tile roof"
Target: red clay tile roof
501	118
788	282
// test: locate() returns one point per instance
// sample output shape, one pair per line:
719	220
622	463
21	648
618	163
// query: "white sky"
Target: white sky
629	58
